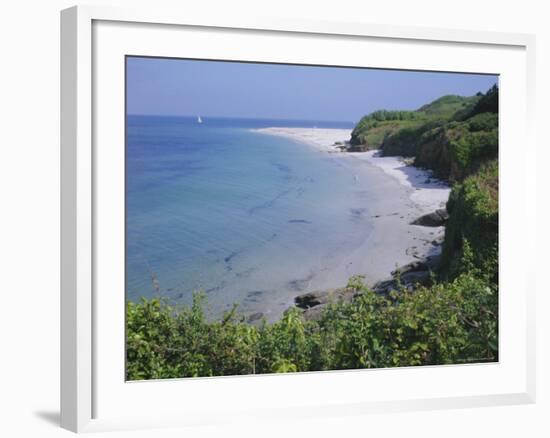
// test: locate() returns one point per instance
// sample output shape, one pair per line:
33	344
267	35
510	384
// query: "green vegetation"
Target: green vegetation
449	322
375	129
371	130
453	320
452	135
473	215
447	106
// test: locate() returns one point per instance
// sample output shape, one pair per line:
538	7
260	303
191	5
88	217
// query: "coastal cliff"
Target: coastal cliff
434	310
453	135
457	138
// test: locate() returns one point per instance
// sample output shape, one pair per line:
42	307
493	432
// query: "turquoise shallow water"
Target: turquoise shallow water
247	217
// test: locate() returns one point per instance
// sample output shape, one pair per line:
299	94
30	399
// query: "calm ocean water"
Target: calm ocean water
248	218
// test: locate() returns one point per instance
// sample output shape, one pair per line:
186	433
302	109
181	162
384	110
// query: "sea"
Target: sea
245	217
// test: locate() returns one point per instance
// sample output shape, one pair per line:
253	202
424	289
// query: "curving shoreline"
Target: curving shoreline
429	193
399	193
323	139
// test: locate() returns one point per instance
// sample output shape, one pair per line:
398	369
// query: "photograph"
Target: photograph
284	218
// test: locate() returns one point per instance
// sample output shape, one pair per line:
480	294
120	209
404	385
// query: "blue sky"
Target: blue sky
158	86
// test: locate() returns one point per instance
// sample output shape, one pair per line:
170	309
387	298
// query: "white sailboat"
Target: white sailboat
199	120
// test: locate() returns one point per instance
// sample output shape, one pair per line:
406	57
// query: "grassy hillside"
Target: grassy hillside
447	106
374	129
371	130
452	135
460	146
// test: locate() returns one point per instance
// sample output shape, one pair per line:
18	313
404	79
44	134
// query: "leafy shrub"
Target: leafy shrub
448	322
487	103
473	216
470	149
483	122
403	142
406	140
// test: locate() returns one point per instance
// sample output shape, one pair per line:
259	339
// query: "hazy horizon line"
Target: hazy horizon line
203	116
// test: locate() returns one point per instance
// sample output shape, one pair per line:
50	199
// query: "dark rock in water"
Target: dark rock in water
230	257
357	213
316	298
435	219
255	317
254	293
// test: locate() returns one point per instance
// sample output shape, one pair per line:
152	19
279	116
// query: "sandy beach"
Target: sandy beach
321	138
398	193
429	193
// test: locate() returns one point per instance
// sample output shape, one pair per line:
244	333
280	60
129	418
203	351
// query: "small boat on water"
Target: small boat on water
199	120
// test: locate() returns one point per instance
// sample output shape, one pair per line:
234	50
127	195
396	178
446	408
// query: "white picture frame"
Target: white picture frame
92	392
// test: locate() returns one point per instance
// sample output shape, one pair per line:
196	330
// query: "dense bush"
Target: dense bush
385	115
407	140
473	210
483	122
371	133
372	129
451	322
403	142
471	149
487	103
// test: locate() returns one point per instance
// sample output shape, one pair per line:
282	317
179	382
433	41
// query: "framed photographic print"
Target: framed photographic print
258	209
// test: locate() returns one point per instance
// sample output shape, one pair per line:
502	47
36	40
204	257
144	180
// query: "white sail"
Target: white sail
199	120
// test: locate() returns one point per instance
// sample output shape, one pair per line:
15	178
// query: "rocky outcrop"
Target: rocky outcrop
255	317
317	298
437	218
408	281
427	264
313	303
409	276
357	148
314	313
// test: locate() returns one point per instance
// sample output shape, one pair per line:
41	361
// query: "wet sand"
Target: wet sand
395	194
